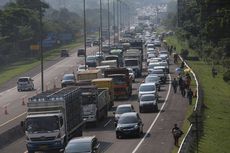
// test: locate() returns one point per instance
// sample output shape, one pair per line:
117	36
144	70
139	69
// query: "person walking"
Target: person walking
174	85
182	86
177	133
189	96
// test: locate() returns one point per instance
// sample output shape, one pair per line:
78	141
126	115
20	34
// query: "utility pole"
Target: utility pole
114	22
100	33
41	49
84	31
108	23
118	21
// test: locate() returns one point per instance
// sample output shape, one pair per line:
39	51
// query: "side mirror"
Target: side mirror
113	112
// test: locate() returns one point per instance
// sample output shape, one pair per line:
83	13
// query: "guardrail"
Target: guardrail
190	141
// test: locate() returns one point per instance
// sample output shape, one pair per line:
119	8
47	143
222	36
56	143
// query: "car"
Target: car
155	79
68	80
81	52
100	56
132	74
105	49
129	124
91	61
87	144
148	102
147	88
124	108
64	53
151	66
25	83
82	68
162	74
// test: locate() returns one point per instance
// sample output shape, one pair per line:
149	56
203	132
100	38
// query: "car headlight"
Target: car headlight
136	126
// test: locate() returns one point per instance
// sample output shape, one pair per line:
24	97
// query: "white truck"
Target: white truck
53	117
132	59
95	103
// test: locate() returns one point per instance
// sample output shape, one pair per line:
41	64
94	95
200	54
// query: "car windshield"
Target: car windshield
147	88
23	80
118	80
91	58
121	110
131	62
127	119
40	124
152	66
78	147
148	98
68	77
157	72
151	79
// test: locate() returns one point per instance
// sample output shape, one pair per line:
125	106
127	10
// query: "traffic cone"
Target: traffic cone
23	101
5	110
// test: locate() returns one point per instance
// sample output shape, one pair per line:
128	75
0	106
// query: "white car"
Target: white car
147	88
82	68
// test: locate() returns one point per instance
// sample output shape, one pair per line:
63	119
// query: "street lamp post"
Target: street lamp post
108	23
118	21
100	35
41	49
114	22
84	31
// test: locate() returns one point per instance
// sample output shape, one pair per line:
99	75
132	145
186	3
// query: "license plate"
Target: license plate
43	147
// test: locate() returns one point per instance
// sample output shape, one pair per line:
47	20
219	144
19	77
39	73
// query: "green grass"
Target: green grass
216	123
17	68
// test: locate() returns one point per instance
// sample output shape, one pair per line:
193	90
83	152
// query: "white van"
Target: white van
25	83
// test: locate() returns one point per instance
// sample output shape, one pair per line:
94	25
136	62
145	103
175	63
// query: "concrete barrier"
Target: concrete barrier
11	135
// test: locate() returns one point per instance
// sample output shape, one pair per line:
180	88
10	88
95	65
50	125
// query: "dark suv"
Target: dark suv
81	52
64	53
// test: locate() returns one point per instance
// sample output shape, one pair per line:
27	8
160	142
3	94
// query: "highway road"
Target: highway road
12	108
157	137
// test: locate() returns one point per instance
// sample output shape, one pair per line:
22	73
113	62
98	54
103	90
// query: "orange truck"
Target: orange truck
122	81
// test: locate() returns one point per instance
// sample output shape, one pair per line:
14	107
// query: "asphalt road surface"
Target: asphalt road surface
157	137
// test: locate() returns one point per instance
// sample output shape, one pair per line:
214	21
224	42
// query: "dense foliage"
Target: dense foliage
20	28
205	25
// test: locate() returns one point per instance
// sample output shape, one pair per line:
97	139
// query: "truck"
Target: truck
108	84
94	102
53	118
132	59
88	75
122	81
111	63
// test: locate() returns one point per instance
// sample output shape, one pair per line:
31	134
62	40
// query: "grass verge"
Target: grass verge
17	68
216	123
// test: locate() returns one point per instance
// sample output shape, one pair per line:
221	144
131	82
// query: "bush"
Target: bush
226	76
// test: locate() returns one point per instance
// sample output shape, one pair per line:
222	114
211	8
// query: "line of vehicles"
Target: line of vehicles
55	116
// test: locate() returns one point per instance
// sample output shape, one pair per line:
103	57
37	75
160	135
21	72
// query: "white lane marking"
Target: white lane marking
12	119
107	123
153	123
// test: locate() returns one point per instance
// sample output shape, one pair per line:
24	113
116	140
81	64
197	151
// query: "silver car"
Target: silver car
25	83
148	102
147	88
